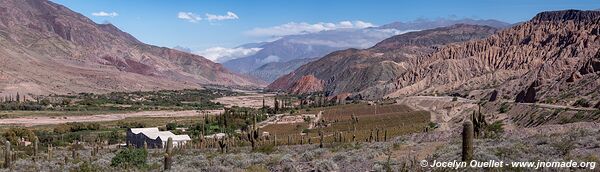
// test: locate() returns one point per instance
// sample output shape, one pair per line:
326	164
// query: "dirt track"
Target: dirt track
42	120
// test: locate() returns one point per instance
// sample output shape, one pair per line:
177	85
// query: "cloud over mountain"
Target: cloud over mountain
105	14
294	28
222	54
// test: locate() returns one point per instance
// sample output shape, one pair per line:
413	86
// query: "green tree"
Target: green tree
131	157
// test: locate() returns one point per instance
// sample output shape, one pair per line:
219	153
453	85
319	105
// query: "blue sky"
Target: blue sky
159	22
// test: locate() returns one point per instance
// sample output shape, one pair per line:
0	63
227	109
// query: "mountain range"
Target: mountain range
47	48
554	58
316	45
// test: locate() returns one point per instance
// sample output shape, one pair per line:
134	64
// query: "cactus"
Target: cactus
385	136
168	154
479	122
168	161
289	140
7	155
94	151
169	148
253	134
74	153
467	141
223	145
35	146
49	151
321	139
377	136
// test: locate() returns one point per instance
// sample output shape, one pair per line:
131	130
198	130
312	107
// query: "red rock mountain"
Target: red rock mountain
47	48
551	58
353	70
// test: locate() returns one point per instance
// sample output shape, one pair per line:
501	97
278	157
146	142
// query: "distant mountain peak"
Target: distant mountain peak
566	15
422	24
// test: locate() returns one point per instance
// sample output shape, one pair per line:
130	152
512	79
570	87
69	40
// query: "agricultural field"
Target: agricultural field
394	119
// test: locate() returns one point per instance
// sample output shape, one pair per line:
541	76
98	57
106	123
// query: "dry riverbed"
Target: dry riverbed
45	120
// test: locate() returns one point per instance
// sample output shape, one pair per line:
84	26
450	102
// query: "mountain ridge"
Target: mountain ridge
319	44
534	61
62	51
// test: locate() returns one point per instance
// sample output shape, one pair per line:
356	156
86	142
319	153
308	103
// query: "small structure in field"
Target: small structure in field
216	135
154	138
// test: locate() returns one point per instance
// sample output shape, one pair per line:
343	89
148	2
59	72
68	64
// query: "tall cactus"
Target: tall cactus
35	146
253	134
223	145
7	155
467	141
49	151
321	139
479	123
169	154
385	136
377	136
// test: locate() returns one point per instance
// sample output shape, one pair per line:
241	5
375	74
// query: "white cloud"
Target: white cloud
105	14
191	17
222	54
269	59
294	28
230	16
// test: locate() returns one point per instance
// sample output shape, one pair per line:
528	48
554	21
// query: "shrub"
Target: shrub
266	149
454	98
130	157
88	167
504	108
171	126
582	103
14	134
494	130
113	137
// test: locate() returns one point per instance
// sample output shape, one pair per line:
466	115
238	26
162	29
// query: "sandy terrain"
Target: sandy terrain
252	100
42	120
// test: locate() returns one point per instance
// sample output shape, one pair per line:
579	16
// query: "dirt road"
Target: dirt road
43	120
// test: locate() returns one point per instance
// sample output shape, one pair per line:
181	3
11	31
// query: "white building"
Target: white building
154	138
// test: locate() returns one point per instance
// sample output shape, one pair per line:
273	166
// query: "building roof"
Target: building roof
154	133
216	135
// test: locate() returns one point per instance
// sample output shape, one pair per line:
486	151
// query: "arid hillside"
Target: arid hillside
47	48
353	70
552	58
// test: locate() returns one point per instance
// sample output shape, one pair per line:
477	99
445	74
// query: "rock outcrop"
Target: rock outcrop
47	48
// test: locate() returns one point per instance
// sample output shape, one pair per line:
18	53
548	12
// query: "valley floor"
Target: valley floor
579	142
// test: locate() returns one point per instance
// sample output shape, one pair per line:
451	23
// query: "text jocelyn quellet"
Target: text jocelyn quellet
499	164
